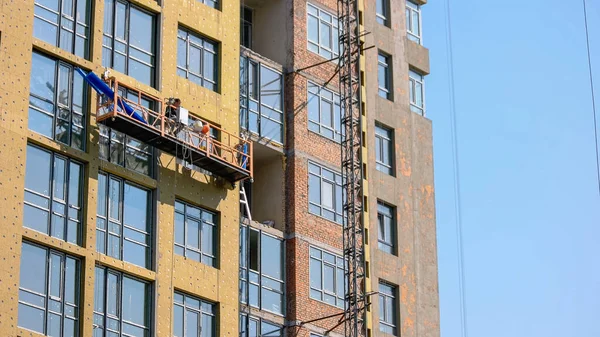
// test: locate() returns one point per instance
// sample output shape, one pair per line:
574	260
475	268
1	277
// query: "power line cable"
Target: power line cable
591	75
456	167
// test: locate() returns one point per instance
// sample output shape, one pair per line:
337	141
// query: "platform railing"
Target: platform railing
231	149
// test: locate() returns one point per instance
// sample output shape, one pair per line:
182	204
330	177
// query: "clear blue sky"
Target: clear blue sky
530	203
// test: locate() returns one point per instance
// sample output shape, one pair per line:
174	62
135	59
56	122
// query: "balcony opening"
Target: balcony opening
266	194
257	19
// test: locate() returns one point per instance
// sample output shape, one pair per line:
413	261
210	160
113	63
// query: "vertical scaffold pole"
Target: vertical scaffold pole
350	94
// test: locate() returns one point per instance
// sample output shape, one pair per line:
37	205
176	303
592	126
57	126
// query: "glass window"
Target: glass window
265	258
384	149
57	98
193	317
123	221
195	233
323	32
387	308
53	195
128	43
261	106
197	59
246	15
383	76
64	24
387	227
416	92
413	21
210	3
122	305
324	112
327	278
382	12
256	327
126	151
325	193
48	291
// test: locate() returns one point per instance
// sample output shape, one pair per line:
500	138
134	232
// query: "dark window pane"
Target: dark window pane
178	321
315	274
133	41
179	229
33	268
324	111
140	30
314	187
270	330
201	60
208	323
31	318
47	273
271	256
192	323
56	102
136	207
128	308
37	170
270	91
181	53
134	301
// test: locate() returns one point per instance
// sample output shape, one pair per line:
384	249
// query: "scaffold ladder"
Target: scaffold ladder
351	146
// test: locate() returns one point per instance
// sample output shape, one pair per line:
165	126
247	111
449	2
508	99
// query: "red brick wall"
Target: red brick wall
304	145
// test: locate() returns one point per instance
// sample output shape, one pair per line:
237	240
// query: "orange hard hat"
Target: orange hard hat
205	128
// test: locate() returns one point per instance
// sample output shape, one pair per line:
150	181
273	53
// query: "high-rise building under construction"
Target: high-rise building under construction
174	168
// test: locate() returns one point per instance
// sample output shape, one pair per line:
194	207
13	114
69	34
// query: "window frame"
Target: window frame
416	79
129	6
57	105
382	296
216	57
52	201
337	266
334	25
383	18
201	222
217	4
201	311
119	300
150	222
386	241
410	10
109	138
337	186
259	327
386	91
251	96
245	23
256	276
335	102
384	134
48	297
60	27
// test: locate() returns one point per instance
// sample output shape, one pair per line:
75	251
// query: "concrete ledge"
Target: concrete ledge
417	56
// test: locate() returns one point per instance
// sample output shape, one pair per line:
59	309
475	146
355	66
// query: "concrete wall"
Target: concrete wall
271	29
170	272
410	189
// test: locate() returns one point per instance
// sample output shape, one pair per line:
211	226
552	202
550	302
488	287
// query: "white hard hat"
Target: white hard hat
197	126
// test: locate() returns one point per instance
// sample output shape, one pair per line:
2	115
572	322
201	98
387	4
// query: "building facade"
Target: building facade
105	235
